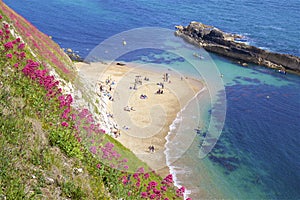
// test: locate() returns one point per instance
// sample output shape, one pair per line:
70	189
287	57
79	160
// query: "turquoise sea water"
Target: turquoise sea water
257	154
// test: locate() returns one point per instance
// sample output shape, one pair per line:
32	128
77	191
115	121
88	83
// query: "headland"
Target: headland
215	40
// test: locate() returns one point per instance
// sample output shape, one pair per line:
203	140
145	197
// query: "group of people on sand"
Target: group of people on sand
159	91
162	85
107	88
116	132
108	114
166	77
151	148
128	108
143	96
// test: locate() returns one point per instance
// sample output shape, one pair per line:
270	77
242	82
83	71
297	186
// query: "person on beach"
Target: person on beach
143	96
151	148
138	81
126	108
108	80
109	115
117	133
159	91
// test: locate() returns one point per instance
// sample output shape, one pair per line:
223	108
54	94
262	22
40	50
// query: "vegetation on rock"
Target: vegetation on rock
48	148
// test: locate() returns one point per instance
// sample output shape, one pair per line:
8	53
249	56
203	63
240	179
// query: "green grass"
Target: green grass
35	148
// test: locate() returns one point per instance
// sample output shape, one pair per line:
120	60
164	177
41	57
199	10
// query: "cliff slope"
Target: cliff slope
52	139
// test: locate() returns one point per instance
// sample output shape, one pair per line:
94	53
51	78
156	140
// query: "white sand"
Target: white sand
149	122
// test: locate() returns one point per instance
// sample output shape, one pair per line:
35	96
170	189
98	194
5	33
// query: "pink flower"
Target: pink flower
93	149
6	26
109	145
73	116
9	55
156	191
180	191
135	176
65	124
21	46
128	194
144	195
163	188
146	176
168	180
126	167
141	170
1	32
22	55
189	198
9	45
65	113
152	184
16	65
138	184
18	40
98	165
1	17
124	180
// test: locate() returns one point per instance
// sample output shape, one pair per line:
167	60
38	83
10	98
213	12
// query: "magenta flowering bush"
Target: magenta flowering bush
8	45
9	55
71	129
38	42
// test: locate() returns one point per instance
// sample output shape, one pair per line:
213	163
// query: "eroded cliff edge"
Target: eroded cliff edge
214	40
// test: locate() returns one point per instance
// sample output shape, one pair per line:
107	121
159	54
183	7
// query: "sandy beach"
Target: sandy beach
143	101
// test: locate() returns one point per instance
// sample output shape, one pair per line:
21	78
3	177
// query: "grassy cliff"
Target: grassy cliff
48	148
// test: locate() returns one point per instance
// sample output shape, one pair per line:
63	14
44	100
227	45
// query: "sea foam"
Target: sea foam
172	152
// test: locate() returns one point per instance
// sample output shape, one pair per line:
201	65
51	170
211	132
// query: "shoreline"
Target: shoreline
150	120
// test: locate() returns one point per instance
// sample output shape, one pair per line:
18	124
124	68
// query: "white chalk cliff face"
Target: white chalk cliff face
86	95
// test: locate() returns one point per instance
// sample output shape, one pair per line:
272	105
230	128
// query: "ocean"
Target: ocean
256	155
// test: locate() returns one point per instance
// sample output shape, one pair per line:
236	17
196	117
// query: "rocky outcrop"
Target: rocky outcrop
214	40
73	56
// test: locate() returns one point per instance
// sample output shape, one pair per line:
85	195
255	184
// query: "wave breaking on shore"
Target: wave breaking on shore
175	147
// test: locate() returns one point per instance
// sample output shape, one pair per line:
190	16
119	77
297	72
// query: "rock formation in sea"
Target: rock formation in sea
214	40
